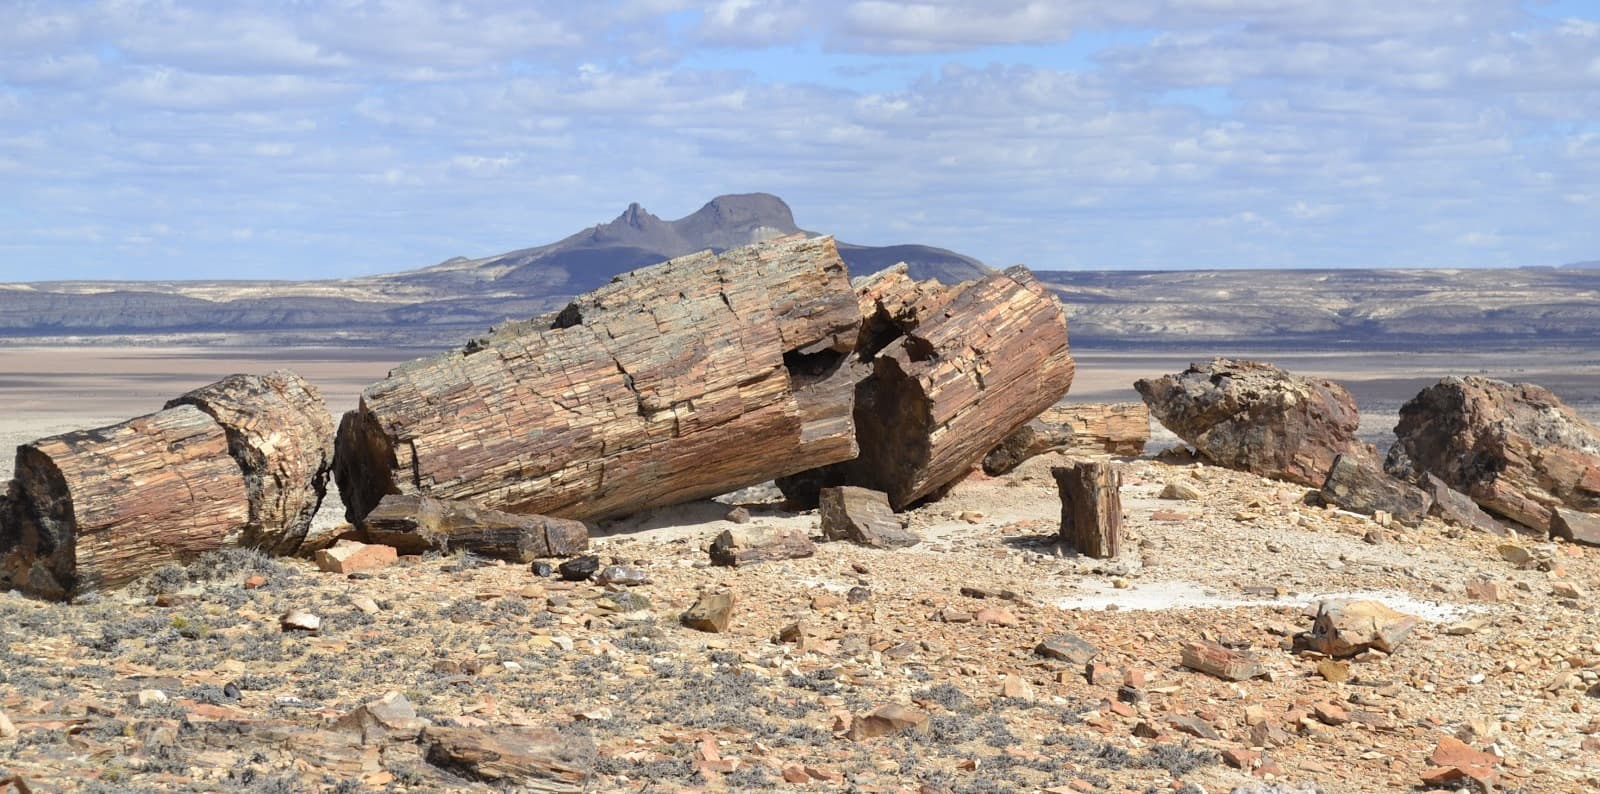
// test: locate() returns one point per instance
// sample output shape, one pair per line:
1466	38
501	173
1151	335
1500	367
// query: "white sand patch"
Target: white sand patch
1154	596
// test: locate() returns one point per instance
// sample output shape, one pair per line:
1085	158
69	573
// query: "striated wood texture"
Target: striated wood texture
1079	429
281	435
1091	507
675	382
416	524
99	508
953	371
533	759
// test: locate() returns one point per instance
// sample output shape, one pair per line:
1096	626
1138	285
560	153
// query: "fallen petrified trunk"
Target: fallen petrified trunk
417	524
1083	429
99	508
1516	449
1255	417
534	759
281	435
675	382
954	370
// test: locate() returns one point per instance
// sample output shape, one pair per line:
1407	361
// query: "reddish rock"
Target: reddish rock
349	556
1255	417
1455	507
1346	628
1516	449
1359	485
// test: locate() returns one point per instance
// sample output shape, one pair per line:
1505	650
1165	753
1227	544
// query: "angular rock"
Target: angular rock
946	373
1346	628
1516	449
1182	491
1255	417
349	556
1079	430
99	508
389	718
711	612
1455	507
417	524
299	620
281	435
1361	486
621	576
676	382
579	569
890	720
1222	662
7	729
1574	526
864	517
536	759
754	544
1067	648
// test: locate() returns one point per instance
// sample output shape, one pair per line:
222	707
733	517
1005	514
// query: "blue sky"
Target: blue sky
166	139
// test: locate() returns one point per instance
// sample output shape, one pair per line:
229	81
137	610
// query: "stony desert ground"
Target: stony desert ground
1505	658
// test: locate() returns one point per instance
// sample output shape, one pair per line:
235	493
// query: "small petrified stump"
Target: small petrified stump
1223	662
536	759
711	612
281	435
1346	628
1091	507
417	524
862	516
1360	486
753	544
99	508
1078	430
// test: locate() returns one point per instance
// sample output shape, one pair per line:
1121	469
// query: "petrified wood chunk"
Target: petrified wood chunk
1346	628
1081	429
1222	662
1255	417
99	508
1516	449
753	544
416	524
1091	507
1360	486
535	759
954	370
675	382
281	434
862	516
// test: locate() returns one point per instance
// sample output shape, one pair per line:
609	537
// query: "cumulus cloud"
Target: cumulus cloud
369	135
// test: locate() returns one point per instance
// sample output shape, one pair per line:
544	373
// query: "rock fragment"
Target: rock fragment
711	612
755	544
299	620
349	556
1067	648
1225	663
389	718
1360	486
862	516
887	720
538	759
579	569
416	524
1346	628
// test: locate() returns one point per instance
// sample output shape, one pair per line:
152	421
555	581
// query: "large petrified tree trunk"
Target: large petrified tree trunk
675	382
281	435
954	370
99	508
1078	429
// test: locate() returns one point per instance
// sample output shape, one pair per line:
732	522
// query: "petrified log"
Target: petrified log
1091	507
416	524
1516	449
281	434
534	759
1223	662
102	507
1082	429
954	370
1255	417
1360	486
675	382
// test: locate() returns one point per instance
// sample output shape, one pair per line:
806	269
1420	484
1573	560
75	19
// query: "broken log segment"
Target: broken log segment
535	759
1079	429
281	435
100	508
953	373
1091	507
418	524
676	382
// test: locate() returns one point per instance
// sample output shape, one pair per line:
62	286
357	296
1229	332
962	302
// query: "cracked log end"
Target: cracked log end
364	463
281	435
99	508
